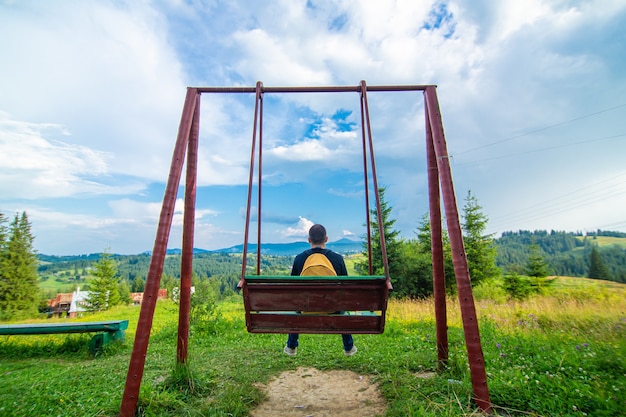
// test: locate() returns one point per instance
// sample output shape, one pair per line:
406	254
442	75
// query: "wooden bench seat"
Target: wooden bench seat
314	304
107	331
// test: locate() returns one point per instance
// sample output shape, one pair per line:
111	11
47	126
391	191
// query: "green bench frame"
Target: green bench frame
107	331
315	305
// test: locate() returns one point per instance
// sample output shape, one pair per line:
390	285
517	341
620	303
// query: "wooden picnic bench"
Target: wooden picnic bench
106	331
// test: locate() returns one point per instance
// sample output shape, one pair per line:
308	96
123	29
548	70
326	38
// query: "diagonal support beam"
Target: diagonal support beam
459	260
436	248
186	262
153	281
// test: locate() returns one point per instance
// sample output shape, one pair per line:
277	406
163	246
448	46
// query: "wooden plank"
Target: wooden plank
315	298
313	324
290	278
274	304
54	328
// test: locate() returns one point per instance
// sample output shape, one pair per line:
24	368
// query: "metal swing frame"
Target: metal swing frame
283	304
440	186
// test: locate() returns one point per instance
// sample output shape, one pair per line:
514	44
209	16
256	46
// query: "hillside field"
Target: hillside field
563	353
603	241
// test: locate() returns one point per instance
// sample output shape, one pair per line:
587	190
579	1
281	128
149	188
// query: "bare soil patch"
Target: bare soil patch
308	392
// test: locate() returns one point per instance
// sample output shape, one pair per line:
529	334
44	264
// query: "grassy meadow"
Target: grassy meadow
607	240
558	354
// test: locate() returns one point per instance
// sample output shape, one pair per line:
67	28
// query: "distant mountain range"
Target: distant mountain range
343	246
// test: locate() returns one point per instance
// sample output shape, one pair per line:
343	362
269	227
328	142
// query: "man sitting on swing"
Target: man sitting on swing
319	261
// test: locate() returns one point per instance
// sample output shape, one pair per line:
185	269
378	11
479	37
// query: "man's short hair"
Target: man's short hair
317	234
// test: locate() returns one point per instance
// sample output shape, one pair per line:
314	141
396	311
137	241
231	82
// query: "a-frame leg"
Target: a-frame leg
466	299
436	248
186	262
148	304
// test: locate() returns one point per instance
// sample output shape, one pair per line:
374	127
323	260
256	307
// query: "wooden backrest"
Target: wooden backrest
287	304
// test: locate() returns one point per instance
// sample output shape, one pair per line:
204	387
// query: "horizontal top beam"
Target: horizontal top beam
317	89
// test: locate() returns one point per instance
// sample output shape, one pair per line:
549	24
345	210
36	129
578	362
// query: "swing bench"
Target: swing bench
325	305
315	304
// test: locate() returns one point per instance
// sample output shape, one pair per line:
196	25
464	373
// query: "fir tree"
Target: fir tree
537	266
124	292
4	277
18	268
104	290
597	268
3	231
479	247
392	242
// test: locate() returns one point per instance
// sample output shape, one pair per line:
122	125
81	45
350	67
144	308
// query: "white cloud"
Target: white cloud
299	231
32	166
149	212
105	73
95	92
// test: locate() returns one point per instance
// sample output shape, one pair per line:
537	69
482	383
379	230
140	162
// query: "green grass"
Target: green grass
56	284
350	261
606	240
547	356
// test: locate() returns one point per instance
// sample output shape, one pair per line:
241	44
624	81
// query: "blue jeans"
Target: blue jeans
292	341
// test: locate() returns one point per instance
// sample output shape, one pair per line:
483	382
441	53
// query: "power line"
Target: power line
616	225
564	203
568	199
541	129
543	149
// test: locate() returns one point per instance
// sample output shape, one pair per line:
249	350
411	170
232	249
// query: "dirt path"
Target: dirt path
308	392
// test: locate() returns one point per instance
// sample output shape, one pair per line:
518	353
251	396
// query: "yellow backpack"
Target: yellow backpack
319	265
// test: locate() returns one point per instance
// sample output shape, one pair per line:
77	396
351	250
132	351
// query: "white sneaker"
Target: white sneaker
289	351
350	352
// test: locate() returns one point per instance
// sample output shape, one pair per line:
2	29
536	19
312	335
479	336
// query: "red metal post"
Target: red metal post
436	236
461	271
146	314
259	194
246	232
381	230
368	221
186	262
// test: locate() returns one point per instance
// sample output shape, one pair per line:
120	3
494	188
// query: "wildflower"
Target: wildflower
502	355
498	345
585	345
577	347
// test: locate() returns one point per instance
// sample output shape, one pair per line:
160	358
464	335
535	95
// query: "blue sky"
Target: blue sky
533	97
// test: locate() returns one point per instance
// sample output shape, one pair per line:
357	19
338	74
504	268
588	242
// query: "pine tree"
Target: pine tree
536	266
479	248
104	290
3	231
18	268
597	268
124	292
4	277
392	242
